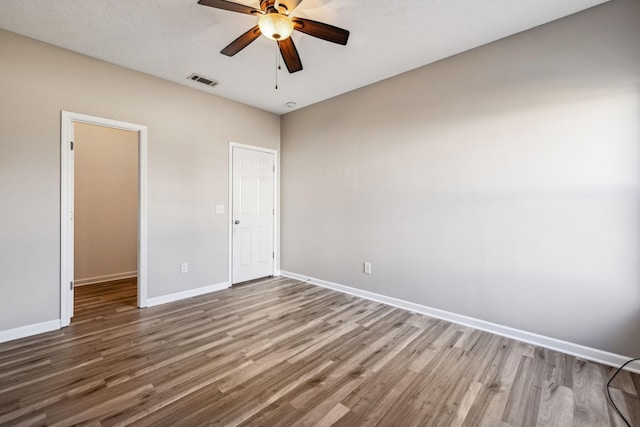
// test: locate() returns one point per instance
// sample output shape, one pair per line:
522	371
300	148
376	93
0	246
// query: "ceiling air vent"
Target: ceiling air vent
204	80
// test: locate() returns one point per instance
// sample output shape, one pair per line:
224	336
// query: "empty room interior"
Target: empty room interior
317	212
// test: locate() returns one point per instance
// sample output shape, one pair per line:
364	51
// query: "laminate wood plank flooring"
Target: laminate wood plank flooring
280	352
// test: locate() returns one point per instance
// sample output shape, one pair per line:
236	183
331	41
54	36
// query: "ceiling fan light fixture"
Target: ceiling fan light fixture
275	26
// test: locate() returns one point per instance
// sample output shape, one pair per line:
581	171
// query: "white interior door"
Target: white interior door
252	214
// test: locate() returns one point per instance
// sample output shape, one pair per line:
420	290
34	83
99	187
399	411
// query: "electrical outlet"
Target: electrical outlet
184	268
367	268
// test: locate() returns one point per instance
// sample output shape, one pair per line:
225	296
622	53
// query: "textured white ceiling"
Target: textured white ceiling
173	38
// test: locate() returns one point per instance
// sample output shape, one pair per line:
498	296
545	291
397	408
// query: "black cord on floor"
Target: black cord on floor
609	392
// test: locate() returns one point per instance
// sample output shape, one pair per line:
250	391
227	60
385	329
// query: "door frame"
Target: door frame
276	207
68	119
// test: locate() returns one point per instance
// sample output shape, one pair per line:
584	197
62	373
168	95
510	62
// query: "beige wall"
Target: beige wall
105	202
501	184
188	133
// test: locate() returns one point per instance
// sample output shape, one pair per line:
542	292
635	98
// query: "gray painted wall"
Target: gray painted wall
502	183
189	132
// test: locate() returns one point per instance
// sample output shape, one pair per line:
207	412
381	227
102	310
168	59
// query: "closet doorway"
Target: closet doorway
105	239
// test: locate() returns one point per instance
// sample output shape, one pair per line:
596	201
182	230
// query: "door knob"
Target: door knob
236	222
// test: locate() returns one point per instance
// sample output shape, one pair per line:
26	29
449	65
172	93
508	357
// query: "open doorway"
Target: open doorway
103	240
105	220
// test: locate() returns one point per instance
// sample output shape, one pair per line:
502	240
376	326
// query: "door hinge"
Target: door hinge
273	255
274	168
71	285
71	145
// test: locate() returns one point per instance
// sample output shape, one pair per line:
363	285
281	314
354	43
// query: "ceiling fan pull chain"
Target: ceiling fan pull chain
277	62
278	56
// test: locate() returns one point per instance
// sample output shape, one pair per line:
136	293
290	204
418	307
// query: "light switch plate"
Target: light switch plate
220	209
367	268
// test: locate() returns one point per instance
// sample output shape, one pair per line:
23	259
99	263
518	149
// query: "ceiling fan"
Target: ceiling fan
276	24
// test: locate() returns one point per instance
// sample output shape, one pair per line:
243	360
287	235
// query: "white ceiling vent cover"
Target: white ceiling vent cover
204	80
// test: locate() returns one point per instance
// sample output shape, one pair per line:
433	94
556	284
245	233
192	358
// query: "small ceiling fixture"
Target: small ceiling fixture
290	104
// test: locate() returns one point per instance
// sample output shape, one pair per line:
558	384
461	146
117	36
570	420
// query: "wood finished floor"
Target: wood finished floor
280	352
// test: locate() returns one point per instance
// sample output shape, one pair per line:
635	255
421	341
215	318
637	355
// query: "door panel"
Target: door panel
252	214
245	246
247	194
265	197
264	244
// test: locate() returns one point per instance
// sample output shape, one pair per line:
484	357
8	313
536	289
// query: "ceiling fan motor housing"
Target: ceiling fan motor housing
272	5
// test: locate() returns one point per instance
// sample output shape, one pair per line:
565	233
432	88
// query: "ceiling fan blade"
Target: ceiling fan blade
241	42
227	5
322	31
290	55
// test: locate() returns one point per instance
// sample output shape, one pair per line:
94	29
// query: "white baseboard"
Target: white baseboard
186	294
577	350
28	330
105	278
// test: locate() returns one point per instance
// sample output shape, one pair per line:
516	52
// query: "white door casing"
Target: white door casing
67	202
252	212
72	202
